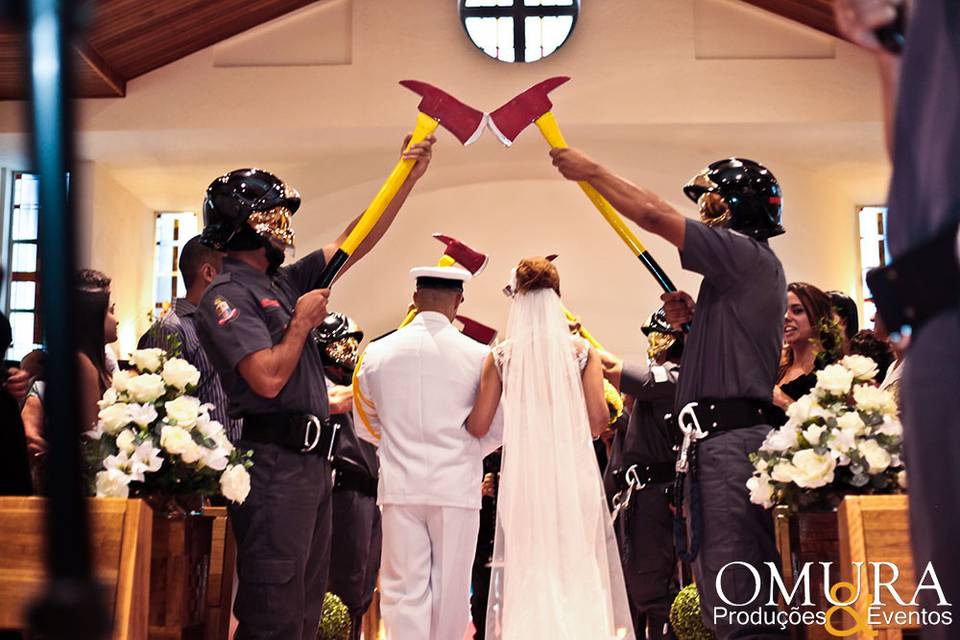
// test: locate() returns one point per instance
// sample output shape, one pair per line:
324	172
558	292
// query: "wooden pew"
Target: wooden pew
223	562
121	532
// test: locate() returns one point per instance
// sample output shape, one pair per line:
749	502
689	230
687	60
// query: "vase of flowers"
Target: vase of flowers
153	437
155	440
842	438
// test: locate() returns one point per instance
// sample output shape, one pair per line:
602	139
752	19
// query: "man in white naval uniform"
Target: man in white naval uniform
413	392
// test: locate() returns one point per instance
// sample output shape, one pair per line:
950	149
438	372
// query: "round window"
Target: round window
519	30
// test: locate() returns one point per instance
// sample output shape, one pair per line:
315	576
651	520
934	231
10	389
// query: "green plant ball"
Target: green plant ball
685	616
335	623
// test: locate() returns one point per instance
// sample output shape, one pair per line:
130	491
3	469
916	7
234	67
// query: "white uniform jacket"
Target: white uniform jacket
413	392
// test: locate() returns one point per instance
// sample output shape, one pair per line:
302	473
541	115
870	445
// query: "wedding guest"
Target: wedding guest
93	280
868	343
812	339
96	327
846	311
176	331
890	377
14	470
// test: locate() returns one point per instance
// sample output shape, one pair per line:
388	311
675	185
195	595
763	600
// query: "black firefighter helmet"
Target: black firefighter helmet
739	194
662	337
339	337
248	209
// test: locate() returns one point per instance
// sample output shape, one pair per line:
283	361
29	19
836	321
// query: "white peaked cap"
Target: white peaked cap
442	273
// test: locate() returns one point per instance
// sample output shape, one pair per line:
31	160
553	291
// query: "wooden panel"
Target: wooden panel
121	536
876	529
223	561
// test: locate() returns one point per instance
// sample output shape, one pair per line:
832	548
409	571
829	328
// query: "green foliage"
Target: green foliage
685	616
335	623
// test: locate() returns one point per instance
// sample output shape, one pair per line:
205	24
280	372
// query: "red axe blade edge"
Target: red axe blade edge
463	121
477	330
516	115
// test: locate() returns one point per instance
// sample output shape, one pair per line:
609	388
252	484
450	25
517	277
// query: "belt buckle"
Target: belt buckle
310	443
333	438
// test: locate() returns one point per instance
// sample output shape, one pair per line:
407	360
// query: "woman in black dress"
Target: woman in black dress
812	339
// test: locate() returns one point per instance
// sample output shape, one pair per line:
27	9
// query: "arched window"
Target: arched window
519	30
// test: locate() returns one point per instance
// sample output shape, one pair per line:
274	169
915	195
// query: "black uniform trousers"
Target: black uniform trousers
645	536
355	554
734	530
283	532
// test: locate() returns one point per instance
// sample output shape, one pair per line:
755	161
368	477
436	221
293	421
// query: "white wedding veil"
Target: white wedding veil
556	569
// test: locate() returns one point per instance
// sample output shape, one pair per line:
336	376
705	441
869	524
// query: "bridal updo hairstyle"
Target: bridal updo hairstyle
537	273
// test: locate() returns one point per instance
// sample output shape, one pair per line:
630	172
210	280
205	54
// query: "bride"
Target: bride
556	569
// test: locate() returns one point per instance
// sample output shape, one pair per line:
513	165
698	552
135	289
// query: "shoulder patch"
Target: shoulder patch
225	312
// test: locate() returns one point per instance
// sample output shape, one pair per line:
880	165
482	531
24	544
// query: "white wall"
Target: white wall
117	237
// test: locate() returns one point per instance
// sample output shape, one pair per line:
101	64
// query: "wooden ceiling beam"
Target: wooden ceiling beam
88	56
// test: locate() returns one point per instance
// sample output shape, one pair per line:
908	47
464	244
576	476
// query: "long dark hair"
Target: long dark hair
828	337
91	311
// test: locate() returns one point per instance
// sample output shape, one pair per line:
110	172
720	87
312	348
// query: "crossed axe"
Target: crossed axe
438	108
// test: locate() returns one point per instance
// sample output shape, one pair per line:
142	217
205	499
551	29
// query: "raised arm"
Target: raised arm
421	153
488	399
640	205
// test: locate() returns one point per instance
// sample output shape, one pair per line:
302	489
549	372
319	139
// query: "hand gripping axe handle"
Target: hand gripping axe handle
533	106
436	108
456	252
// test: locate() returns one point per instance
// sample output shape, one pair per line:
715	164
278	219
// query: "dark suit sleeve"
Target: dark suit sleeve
638	381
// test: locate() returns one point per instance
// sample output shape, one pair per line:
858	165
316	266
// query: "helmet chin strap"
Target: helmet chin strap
275	257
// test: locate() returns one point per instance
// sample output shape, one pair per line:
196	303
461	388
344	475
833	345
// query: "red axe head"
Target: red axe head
510	119
464	122
476	330
470	259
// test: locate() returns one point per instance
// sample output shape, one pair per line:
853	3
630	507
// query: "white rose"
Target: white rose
183	411
870	399
192	453
762	465
761	491
862	367
126	441
147	457
902	479
147	360
180	374
812	469
842	441
804	409
834	380
876	456
120	380
851	421
113	483
812	434
208	427
143	414
216	458
783	472
146	388
235	483
890	427
781	439
109	398
114	418
175	440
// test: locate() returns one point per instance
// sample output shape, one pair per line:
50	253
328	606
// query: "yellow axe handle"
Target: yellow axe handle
425	126
551	131
445	261
583	332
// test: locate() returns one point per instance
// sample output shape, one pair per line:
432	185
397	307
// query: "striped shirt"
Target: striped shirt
179	326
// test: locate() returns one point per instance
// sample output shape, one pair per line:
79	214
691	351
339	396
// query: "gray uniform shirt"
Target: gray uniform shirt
734	344
925	188
650	438
245	310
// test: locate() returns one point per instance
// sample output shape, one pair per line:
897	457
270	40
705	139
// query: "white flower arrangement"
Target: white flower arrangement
153	437
842	437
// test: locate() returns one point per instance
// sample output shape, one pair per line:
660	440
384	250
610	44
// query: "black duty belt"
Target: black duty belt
699	421
919	285
301	432
637	478
349	480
